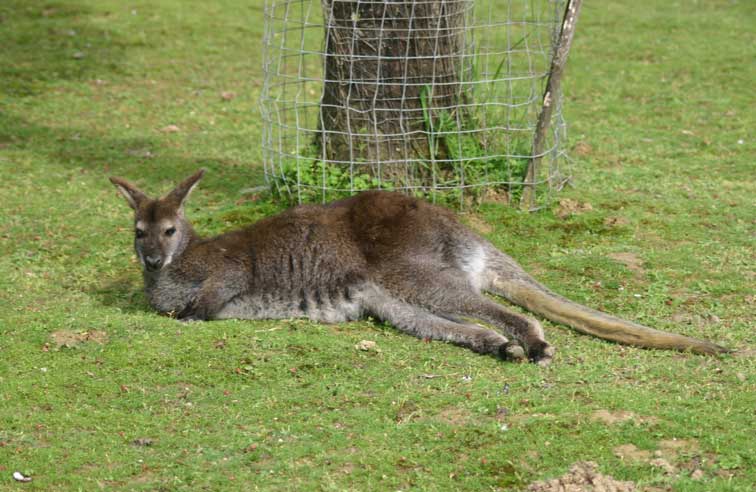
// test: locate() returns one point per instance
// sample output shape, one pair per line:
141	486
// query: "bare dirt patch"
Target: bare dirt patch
454	416
668	457
583	477
71	339
665	465
620	416
582	149
407	412
670	448
630	260
697	474
568	206
495	196
616	222
629	452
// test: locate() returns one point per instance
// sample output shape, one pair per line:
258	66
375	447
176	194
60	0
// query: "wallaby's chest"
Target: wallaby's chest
170	293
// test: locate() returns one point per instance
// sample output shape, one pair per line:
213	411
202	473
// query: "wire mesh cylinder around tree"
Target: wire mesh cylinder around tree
437	98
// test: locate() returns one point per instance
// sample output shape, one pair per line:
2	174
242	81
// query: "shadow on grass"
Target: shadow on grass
44	42
121	293
47	42
135	158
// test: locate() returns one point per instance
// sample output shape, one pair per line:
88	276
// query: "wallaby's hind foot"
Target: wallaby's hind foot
510	350
527	340
523	330
545	354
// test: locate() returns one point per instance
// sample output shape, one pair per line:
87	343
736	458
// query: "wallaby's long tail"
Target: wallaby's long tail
523	290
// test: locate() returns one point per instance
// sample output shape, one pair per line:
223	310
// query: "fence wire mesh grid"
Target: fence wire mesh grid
438	98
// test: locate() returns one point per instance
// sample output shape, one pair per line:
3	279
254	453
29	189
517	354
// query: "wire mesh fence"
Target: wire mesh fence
439	98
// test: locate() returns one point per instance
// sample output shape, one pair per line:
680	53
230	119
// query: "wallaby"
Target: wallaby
377	253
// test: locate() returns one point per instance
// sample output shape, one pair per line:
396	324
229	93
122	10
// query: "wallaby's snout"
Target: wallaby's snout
153	263
161	232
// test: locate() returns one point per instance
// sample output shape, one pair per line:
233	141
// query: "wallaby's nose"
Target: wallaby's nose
153	262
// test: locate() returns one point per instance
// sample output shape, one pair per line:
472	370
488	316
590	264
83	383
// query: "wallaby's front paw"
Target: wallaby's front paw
541	353
192	313
512	351
515	352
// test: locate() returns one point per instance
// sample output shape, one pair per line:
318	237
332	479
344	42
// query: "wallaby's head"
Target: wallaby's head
161	231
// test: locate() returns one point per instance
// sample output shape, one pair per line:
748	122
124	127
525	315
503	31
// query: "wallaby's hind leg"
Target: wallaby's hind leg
424	324
452	293
524	329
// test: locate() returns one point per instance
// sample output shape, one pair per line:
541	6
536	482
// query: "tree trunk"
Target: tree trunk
384	60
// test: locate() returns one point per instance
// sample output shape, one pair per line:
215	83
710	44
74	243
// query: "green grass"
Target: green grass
660	112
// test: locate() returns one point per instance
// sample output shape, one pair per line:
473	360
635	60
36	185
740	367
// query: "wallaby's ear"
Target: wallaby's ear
182	191
132	194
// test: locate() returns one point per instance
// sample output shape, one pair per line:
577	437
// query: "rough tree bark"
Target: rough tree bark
380	57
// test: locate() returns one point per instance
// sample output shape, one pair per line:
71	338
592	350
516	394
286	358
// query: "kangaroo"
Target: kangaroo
377	253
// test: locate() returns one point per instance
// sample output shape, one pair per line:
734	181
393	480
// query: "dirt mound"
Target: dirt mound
582	477
71	339
568	207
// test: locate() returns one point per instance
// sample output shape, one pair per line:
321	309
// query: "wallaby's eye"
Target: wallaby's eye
170	231
139	233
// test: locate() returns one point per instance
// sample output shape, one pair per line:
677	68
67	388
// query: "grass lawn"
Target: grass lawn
99	392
